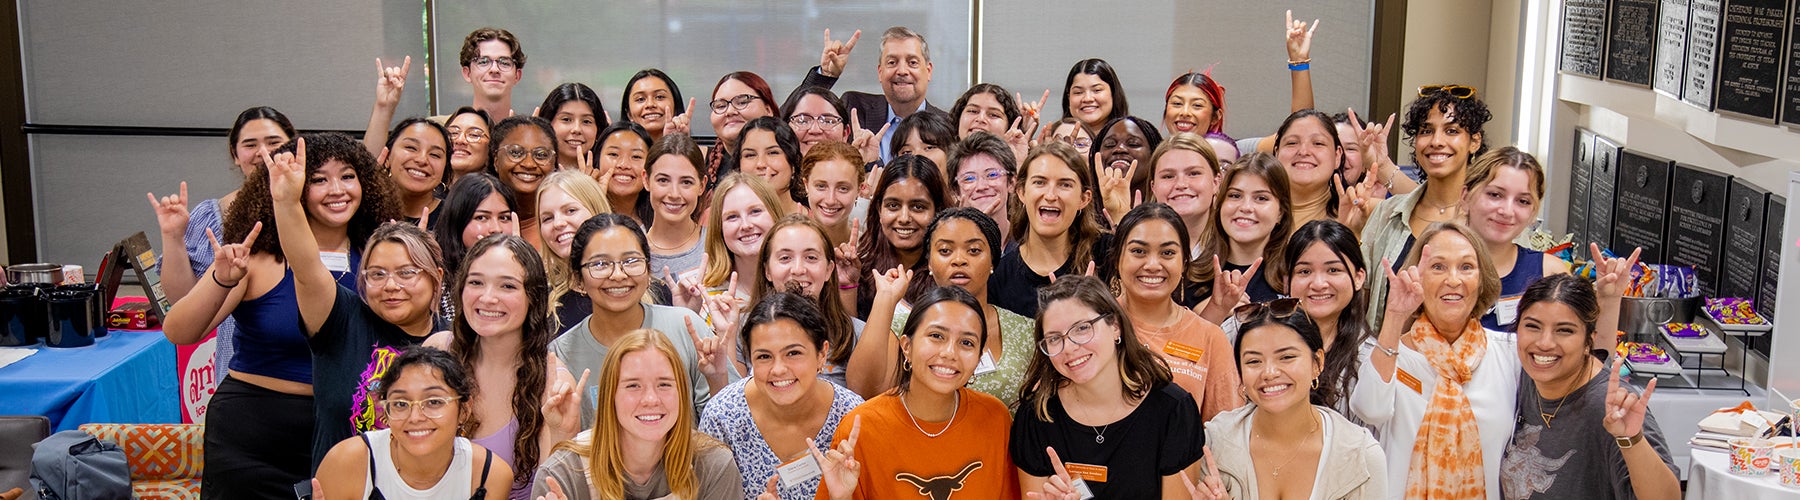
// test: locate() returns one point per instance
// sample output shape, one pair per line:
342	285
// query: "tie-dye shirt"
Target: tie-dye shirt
350	352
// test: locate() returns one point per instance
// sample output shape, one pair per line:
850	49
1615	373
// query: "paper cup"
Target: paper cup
1787	465
1751	456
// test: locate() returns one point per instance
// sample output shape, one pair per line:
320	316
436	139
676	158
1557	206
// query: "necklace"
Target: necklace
1292	454
1559	403
1440	209
915	421
1100	433
678	245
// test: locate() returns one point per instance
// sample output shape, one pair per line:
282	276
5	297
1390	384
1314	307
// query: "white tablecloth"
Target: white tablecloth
1711	479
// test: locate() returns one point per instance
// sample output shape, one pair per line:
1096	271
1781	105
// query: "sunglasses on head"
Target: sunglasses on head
1457	91
1278	308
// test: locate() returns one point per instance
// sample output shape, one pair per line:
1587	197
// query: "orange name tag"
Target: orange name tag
1183	351
1085	472
1409	380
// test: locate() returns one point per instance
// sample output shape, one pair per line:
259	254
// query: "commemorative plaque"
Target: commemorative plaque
1580	166
1583	37
1750	50
1631	37
1705	20
1742	263
1773	217
1697	223
1640	213
1602	190
1671	48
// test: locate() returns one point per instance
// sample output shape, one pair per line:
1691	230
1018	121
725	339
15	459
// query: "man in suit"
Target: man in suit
904	72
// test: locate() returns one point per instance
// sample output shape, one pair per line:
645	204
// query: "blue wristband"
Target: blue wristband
1300	66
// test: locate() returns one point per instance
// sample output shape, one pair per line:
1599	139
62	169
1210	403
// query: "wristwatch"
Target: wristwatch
1628	442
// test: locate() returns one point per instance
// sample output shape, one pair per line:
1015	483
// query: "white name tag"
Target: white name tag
1081	488
986	365
1506	311
337	262
798	472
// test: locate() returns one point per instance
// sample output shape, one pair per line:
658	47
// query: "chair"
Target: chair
17	434
166	459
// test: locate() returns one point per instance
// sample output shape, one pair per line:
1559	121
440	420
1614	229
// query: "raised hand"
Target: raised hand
715	361
1115	189
562	406
890	286
771	490
1625	411
1406	289
1231	288
679	124
171	212
1299	38
390	81
1017	139
287	173
686	292
838	465
869	181
849	264
1354	205
232	262
1612	275
556	490
1059	486
725	307
586	162
1210	487
1031	111
836	54
869	143
1373	137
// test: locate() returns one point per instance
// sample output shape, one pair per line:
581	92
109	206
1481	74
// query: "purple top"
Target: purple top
501	443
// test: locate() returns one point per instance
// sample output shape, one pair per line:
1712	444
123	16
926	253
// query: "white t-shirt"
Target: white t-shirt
1395	410
454	483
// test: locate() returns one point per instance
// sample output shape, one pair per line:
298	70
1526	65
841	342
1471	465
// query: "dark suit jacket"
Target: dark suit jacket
870	108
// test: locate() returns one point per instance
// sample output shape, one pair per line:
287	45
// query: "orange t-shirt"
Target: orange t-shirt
969	460
1199	357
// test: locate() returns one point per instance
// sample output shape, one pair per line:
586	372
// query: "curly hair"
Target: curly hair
1470	113
471	50
532	359
455	378
379	201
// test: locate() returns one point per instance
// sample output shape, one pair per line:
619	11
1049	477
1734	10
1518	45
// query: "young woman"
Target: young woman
427	458
1195	104
738	221
1092	95
768	149
797	258
468	128
816	115
642	443
523	154
417	159
269	391
575	114
833	175
1124	143
1152	262
960	245
1059	230
1443	126
611	256
1307	145
739	97
675	184
653	101
478	205
982	169
784	410
257	131
908	195
567	199
1591	439
1069	131
956	439
620	167
1252	219
929	134
988	108
1325	271
1500	199
1438	388
1279	446
1099	398
1184	174
1365	154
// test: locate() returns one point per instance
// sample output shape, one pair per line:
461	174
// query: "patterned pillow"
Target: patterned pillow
156	451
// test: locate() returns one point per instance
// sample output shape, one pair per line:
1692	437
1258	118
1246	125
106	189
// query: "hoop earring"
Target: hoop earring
1315	384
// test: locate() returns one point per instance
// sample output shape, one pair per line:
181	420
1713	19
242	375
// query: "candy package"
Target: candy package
1640	352
1733	311
1684	330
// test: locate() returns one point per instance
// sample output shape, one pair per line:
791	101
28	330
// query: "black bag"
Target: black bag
74	465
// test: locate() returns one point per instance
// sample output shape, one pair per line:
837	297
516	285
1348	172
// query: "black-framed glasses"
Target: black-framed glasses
992	174
808	121
1457	91
518	153
405	276
505	63
1278	308
1079	333
432	407
740	102
633	266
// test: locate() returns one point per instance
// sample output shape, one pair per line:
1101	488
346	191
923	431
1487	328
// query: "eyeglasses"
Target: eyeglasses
740	102
432	407
405	276
1078	142
505	63
1457	91
809	121
473	135
1080	333
633	266
991	174
1278	308
517	153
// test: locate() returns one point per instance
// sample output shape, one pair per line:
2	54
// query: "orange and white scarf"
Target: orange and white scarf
1446	458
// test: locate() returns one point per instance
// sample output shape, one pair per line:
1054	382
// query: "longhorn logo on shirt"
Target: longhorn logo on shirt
939	488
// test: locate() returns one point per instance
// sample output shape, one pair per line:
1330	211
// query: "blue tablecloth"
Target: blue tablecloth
125	377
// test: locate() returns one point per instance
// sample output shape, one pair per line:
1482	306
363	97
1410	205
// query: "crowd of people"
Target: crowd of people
589	303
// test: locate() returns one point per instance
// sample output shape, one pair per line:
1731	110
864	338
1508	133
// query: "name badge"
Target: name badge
1081	488
1184	351
337	262
1506	311
1410	381
798	472
1095	473
986	365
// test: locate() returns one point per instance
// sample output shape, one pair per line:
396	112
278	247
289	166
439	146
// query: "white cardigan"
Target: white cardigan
1395	410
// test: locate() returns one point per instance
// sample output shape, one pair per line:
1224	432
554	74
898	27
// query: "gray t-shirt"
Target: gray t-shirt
680	264
578	350
1573	456
713	468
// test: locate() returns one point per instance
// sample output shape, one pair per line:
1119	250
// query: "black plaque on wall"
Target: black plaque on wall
1579	181
1583	37
1751	46
1773	218
1631	41
1739	269
1705	21
1671	48
1603	182
1790	99
1697	223
1640	211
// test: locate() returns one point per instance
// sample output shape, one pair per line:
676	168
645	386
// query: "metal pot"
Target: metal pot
49	274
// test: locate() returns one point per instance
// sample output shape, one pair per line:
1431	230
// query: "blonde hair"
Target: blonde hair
1185	141
1487	166
586	191
1489	292
605	460
719	258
